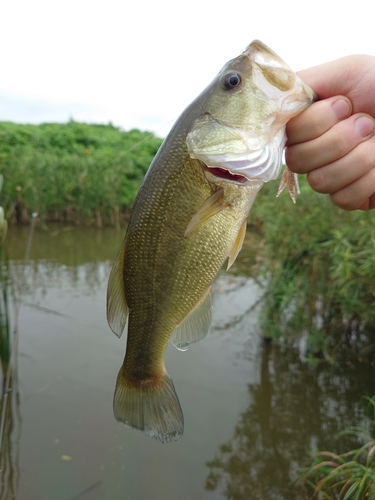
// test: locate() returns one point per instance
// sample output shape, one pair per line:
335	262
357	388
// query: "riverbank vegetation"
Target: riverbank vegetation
72	172
349	475
318	260
319	265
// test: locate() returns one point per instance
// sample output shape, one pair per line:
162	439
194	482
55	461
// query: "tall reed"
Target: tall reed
319	265
346	476
72	172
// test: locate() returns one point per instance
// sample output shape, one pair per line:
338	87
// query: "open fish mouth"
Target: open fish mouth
242	157
222	173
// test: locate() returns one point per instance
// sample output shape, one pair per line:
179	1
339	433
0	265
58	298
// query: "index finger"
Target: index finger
317	119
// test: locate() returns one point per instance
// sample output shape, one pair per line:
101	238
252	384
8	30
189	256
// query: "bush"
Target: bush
72	171
319	263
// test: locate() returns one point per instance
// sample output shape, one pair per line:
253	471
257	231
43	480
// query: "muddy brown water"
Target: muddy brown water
253	411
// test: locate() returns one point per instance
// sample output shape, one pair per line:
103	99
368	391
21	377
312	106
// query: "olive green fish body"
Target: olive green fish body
188	218
176	269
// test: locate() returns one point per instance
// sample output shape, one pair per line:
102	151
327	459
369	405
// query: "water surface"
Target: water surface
253	411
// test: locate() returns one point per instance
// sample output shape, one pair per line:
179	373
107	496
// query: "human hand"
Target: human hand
333	141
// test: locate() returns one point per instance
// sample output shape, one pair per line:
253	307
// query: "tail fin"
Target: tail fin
154	410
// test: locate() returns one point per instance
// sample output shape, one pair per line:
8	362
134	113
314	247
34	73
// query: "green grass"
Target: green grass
319	263
72	172
346	476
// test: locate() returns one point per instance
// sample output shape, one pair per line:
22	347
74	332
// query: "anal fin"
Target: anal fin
237	244
196	325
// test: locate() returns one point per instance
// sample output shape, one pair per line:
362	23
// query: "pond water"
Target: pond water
253	410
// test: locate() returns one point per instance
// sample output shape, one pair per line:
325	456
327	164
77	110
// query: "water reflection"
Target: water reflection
62	258
52	262
40	261
253	411
294	410
10	419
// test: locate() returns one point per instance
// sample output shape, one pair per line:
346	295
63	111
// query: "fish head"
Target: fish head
241	129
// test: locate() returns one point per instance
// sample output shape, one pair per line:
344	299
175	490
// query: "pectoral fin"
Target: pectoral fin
210	207
237	244
117	308
196	325
289	179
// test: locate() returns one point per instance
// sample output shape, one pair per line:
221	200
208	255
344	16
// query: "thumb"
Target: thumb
340	77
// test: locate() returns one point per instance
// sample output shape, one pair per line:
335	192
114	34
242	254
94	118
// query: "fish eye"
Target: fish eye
231	80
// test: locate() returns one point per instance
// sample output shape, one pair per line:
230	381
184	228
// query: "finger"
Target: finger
317	119
331	146
368	204
358	195
338	174
351	76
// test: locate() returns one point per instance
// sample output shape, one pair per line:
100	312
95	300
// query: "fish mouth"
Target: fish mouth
222	173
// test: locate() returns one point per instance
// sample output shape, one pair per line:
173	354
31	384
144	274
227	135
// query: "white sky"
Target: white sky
140	63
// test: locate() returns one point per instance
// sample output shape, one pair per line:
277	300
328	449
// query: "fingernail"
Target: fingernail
364	125
341	108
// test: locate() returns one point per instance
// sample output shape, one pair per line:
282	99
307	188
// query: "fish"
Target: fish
188	218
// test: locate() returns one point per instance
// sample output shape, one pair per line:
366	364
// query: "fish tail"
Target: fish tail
152	408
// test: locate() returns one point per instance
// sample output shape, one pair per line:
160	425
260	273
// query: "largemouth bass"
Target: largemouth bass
189	217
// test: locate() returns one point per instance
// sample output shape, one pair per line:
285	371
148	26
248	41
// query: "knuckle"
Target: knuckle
317	180
319	127
364	161
341	200
342	143
292	158
289	156
365	153
325	117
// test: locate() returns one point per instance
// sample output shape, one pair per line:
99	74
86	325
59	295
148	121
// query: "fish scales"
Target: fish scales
189	217
158	231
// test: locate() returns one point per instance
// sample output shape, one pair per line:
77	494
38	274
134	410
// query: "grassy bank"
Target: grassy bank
319	262
72	172
345	476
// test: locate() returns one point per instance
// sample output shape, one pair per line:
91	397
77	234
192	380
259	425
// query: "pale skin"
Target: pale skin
333	141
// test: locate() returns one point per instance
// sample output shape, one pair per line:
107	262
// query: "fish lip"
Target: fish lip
223	173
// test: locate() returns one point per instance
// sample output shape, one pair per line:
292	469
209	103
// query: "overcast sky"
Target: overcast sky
140	63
